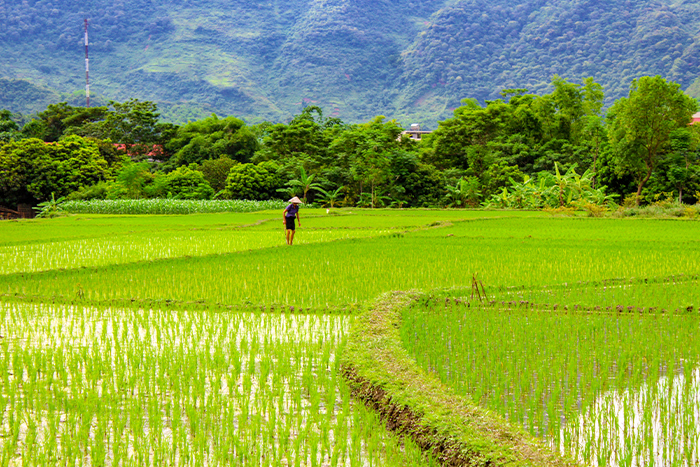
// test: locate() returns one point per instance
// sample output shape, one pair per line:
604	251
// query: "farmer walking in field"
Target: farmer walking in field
291	212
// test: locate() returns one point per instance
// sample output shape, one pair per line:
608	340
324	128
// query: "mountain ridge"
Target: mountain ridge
409	60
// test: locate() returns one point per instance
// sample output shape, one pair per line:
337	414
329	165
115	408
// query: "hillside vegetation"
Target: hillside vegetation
266	60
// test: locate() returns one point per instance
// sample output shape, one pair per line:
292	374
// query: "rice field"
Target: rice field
95	386
204	340
607	388
345	273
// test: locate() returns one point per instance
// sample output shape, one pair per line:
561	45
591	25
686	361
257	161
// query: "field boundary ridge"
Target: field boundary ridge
451	428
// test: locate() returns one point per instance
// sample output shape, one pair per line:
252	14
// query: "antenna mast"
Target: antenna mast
87	66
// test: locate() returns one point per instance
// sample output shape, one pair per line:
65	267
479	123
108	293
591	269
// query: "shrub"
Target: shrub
250	181
182	183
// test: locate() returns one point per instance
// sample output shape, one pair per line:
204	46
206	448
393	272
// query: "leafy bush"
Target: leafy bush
182	183
250	181
131	182
97	191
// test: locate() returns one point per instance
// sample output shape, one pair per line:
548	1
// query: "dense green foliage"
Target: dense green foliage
266	60
556	150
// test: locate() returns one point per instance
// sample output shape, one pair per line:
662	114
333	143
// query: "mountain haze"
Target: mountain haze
267	59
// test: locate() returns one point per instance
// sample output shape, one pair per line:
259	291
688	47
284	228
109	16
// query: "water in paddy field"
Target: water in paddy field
653	425
104	386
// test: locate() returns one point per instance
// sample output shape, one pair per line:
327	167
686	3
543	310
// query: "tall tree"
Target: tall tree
640	125
307	136
133	123
212	138
8	127
366	150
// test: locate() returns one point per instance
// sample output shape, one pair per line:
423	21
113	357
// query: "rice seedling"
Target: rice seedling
606	388
148	246
118	346
91	386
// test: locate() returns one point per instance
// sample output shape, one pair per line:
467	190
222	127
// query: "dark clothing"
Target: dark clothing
292	210
290	223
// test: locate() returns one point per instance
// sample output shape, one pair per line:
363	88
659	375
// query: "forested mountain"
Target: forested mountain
267	59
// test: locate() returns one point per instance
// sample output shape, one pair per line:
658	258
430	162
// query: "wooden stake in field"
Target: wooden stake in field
476	283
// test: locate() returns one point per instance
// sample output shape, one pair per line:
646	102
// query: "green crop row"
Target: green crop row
606	388
167	206
96	386
357	270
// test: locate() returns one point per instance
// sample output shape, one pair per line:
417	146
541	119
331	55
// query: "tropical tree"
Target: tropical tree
640	125
366	152
8	128
329	198
31	170
464	193
304	183
216	171
212	138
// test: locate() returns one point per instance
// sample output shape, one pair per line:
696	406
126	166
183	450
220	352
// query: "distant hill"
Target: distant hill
267	59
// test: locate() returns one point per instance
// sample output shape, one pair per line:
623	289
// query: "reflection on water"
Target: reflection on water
657	424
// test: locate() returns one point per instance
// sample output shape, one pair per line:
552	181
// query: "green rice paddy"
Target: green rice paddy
203	339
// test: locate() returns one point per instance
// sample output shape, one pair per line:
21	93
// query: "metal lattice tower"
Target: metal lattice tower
87	66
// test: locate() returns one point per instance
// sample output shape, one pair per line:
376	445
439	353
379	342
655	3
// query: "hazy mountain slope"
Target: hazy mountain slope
22	96
266	59
476	49
344	55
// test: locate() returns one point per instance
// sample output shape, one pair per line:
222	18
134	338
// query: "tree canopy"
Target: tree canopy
558	148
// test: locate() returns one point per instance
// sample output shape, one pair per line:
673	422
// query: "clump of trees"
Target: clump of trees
522	150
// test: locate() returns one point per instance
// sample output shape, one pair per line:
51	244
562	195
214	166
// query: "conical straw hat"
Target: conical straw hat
295	200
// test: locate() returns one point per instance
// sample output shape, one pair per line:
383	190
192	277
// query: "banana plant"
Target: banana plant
50	208
464	192
329	198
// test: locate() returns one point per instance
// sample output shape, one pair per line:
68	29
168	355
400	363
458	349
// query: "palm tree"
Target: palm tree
305	182
330	197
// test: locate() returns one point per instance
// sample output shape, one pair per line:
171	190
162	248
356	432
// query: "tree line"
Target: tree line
522	150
